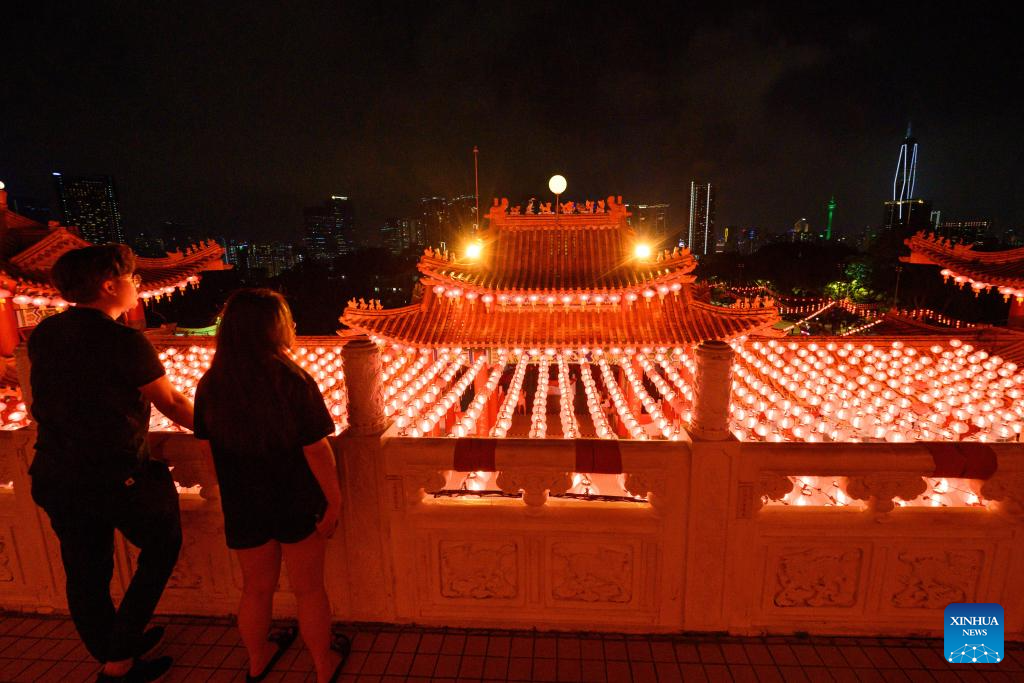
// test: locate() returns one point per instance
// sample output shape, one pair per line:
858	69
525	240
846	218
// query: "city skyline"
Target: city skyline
776	112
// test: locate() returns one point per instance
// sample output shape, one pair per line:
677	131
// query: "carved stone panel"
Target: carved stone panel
931	579
479	570
1005	487
535	484
591	572
818	577
879	490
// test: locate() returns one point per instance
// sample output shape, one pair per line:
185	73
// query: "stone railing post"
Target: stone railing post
365	391
711	395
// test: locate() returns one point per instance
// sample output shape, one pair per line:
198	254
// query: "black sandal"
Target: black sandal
284	639
343	646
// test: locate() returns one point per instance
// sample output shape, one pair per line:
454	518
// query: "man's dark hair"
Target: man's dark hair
79	274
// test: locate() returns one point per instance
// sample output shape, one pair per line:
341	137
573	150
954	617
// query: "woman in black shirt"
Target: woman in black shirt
267	425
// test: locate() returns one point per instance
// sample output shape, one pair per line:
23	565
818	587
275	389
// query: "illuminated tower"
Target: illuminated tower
906	213
829	214
701	235
906	172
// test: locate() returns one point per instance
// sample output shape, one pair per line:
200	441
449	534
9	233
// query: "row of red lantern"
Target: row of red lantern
978	285
564	299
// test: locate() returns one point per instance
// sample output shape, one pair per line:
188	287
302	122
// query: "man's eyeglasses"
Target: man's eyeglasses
135	280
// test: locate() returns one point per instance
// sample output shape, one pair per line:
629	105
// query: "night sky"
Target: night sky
236	118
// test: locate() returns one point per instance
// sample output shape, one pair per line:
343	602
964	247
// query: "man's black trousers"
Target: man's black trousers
145	510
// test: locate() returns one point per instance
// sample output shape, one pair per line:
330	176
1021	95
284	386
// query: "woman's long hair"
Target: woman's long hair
243	391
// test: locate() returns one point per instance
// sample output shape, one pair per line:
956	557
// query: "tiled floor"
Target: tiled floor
34	648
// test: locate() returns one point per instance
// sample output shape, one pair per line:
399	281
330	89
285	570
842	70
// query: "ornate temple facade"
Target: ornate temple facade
570	281
563	432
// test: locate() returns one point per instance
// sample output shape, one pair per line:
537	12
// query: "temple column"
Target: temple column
8	326
1016	318
361	549
365	391
711	393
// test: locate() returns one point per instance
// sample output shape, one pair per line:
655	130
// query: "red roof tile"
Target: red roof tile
444	321
998	268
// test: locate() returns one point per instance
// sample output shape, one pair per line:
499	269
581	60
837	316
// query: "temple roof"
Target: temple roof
588	248
570	279
450	322
29	249
987	268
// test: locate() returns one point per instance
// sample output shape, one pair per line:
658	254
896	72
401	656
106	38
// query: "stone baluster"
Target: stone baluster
365	390
711	395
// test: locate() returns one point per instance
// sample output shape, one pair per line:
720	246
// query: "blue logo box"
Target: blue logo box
973	633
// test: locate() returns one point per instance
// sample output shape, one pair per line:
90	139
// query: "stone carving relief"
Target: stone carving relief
1007	488
772	486
648	485
419	482
536	485
818	577
933	579
588	572
879	490
479	570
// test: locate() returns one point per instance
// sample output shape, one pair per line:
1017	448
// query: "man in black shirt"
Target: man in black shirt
93	381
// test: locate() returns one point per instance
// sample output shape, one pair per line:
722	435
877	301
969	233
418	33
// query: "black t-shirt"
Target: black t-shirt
273	471
86	373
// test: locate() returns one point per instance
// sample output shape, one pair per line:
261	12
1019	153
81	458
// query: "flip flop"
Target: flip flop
343	646
284	639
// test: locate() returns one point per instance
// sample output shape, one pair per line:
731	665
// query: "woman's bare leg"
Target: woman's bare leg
261	568
305	564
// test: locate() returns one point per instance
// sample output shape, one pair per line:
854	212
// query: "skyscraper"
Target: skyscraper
434	214
330	228
89	203
651	220
905	213
701	234
906	172
462	220
965	232
391	236
399	235
908	216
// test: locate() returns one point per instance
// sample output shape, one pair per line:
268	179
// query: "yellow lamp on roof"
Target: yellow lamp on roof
642	251
474	250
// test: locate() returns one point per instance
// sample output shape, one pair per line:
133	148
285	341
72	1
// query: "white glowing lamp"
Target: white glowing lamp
557	184
642	251
474	250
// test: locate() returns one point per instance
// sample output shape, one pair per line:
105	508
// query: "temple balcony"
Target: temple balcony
690	531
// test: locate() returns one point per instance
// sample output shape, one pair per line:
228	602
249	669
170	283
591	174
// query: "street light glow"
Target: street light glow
557	184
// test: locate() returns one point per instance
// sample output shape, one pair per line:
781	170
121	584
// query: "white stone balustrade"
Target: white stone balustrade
702	553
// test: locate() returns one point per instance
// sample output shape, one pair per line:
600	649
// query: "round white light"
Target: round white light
642	251
474	250
557	184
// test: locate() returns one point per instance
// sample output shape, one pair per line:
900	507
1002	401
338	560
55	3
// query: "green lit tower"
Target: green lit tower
828	218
